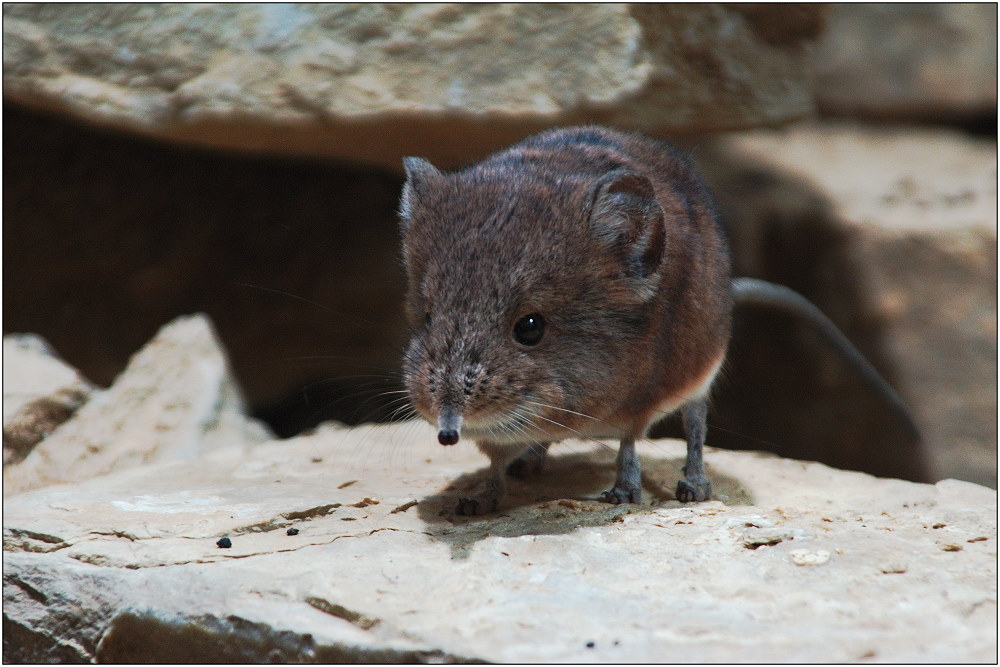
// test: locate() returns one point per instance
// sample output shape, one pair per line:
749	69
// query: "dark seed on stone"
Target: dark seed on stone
224	543
292	531
590	644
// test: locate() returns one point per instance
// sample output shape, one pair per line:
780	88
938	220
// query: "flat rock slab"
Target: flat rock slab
376	81
794	562
919	61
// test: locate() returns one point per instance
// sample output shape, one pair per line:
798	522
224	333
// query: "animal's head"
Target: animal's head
525	291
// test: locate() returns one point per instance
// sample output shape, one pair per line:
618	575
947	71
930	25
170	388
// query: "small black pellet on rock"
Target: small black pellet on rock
590	644
224	543
292	531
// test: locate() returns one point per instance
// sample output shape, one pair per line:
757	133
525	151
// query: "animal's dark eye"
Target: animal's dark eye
529	329
427	318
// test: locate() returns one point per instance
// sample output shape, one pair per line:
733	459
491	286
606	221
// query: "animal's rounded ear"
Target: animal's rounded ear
419	175
626	217
626	183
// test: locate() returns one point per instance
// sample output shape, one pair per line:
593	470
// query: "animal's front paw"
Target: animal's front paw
476	506
619	495
693	490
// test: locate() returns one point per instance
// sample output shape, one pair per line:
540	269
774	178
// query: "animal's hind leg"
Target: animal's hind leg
530	461
695	485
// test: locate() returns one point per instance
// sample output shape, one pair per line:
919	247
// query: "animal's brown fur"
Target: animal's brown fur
611	237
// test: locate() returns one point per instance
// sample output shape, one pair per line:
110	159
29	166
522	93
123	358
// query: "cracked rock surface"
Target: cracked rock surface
792	561
342	545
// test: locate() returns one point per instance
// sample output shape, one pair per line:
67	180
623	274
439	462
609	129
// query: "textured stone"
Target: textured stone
174	401
934	61
798	562
40	392
376	81
918	213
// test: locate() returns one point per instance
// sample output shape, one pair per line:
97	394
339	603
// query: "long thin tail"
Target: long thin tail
762	293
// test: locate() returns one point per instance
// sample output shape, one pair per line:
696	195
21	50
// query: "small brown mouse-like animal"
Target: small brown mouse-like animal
576	284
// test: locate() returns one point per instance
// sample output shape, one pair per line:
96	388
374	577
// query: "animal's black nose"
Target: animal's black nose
448	436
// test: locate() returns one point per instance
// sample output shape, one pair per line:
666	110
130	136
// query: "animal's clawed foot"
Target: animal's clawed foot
693	490
619	495
476	506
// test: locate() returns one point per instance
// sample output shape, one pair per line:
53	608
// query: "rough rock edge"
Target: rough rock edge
32	416
101	436
284	106
148	637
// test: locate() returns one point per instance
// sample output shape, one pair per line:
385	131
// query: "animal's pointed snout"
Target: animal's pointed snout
448	436
449	427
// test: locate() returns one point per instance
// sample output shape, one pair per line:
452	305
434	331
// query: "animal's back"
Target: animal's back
692	310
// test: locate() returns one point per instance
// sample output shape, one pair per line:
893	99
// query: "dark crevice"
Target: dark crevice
107	237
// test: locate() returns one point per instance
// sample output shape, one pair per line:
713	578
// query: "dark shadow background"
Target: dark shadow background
108	237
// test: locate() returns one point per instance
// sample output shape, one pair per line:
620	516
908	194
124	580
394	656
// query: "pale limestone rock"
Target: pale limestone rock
376	81
799	563
933	61
40	392
903	179
919	209
175	400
